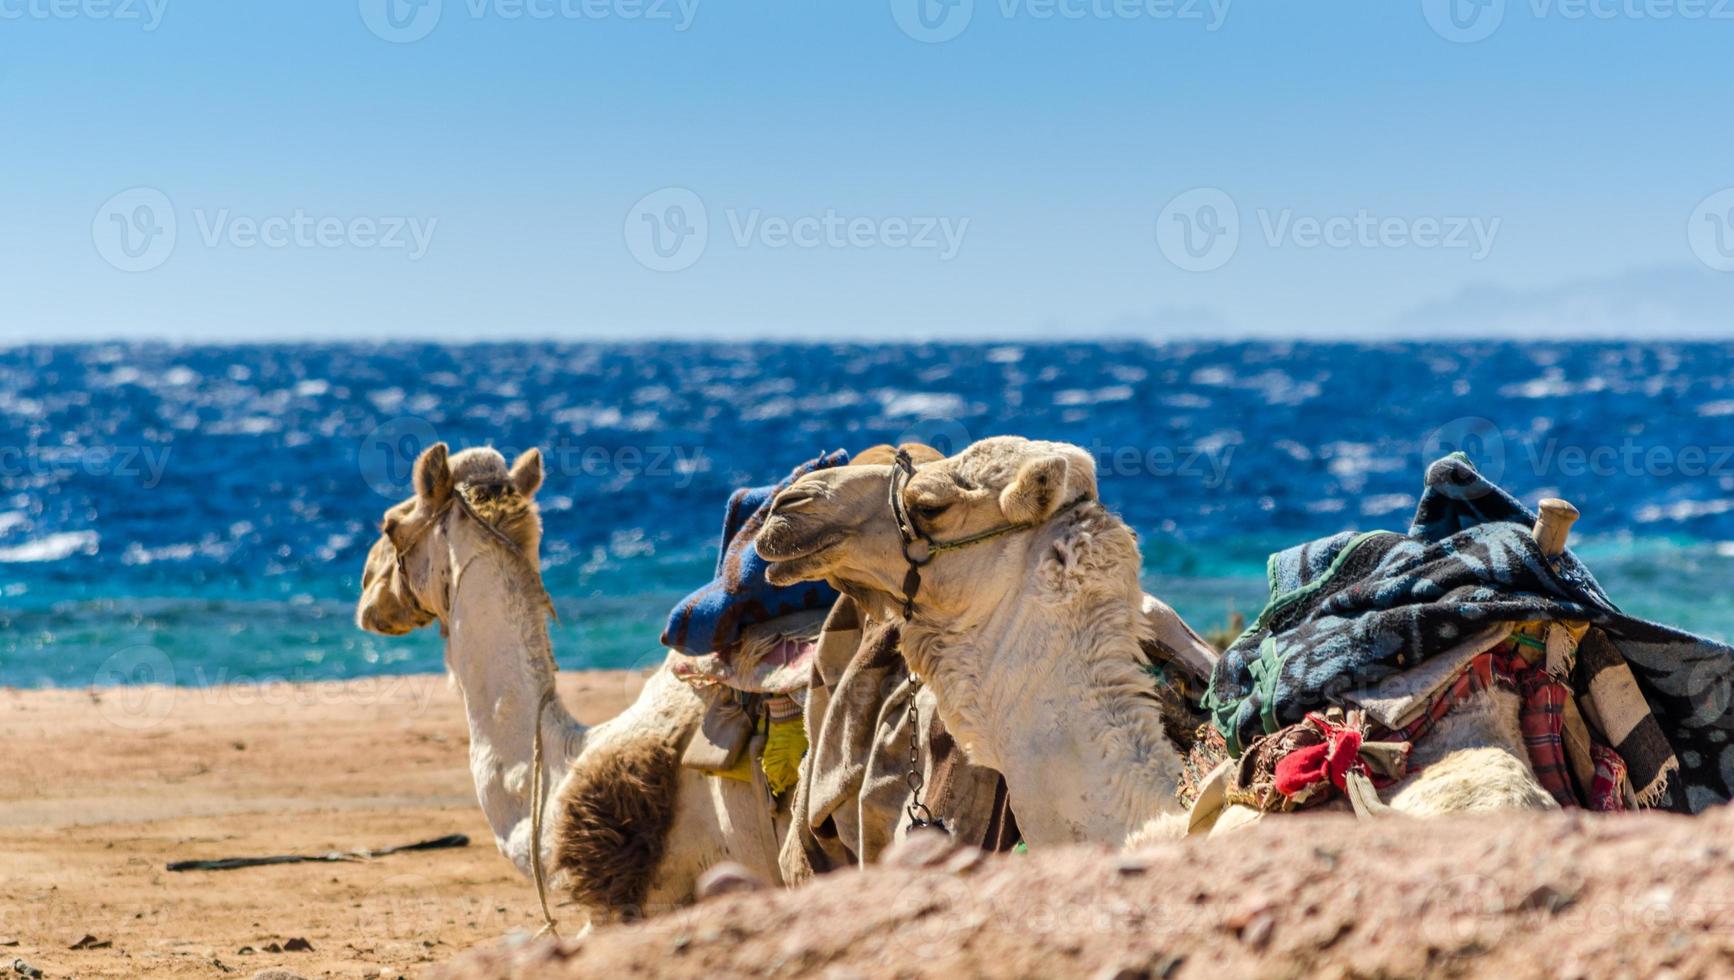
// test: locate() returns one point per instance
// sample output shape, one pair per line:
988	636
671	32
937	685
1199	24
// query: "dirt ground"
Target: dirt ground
1541	896
99	792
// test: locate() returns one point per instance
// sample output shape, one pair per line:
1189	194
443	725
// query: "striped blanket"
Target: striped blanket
1353	611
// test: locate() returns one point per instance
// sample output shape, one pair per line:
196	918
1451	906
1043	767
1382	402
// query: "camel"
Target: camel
624	827
1027	634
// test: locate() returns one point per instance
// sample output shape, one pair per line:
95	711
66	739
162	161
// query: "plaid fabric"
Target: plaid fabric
1350	611
1607	790
1541	716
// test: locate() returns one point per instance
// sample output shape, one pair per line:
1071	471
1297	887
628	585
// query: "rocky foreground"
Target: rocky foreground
1562	895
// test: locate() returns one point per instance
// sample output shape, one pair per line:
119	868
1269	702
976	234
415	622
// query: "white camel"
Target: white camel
625	828
1028	636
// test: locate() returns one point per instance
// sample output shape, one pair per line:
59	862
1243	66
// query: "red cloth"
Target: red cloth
1332	759
1541	715
1605	793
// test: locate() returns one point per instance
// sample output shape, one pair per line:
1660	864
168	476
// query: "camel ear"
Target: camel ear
433	476
1036	493
527	473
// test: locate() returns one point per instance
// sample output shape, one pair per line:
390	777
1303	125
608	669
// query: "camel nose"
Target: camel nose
792	498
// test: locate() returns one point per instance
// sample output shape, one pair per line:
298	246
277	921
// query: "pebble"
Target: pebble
921	849
727	878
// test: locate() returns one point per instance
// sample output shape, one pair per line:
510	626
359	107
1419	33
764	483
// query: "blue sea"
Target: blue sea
215	503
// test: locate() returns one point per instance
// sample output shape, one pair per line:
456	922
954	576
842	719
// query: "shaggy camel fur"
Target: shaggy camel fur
1029	640
626	829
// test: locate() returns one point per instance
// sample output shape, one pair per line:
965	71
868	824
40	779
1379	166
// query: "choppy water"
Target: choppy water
216	503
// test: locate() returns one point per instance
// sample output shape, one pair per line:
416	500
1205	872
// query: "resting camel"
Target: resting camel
624	827
1025	625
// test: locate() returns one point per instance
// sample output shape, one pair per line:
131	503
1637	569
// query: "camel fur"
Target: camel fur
1029	640
626	832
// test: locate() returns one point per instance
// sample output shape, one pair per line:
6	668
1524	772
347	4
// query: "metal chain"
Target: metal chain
920	817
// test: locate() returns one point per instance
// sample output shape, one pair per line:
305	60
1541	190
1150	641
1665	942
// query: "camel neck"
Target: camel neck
1057	700
499	652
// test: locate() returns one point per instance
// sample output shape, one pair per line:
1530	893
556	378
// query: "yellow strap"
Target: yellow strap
781	761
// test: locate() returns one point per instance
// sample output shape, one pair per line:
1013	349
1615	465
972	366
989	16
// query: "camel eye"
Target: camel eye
931	512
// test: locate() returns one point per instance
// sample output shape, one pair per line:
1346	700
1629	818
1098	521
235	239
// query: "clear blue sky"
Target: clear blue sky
522	146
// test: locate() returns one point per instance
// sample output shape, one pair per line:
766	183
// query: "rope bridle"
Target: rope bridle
919	550
538	785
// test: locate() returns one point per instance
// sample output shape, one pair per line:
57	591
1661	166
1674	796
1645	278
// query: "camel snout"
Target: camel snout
793	498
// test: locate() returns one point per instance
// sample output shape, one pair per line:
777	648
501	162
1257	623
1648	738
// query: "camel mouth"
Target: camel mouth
793	557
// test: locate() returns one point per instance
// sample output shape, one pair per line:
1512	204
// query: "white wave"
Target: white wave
921	404
1682	510
1716	409
55	547
1385	503
1079	396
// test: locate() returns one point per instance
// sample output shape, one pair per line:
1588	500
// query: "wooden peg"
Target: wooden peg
1553	527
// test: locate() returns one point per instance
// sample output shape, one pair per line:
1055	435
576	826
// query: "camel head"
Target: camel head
837	524
400	596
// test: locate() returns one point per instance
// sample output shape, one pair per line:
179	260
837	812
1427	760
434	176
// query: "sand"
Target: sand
1537	895
98	791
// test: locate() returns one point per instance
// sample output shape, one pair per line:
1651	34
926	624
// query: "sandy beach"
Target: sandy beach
100	789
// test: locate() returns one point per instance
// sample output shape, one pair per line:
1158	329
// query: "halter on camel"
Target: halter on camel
902	471
538	785
919	550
